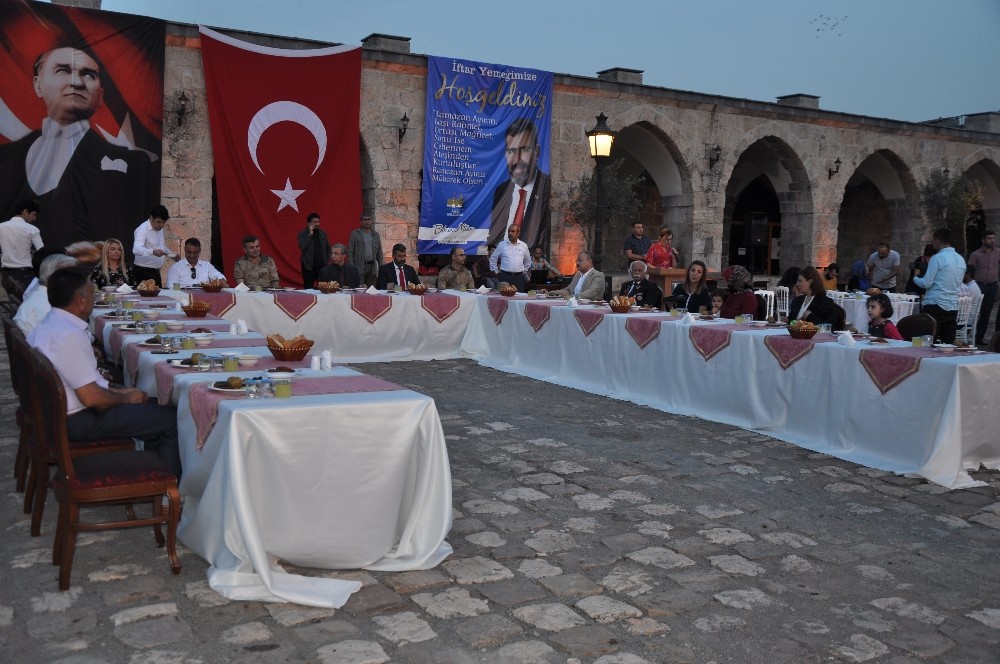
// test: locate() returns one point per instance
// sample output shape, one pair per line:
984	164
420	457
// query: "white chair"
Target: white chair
782	300
967	332
962	322
769	299
902	306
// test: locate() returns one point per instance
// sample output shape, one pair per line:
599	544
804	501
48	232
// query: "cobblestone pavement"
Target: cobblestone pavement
586	530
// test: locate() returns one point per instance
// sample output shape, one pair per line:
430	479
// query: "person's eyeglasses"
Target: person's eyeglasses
193	273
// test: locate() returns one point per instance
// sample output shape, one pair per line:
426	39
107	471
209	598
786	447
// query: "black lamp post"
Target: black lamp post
601	139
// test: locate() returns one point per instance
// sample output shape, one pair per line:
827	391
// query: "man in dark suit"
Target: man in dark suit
315	247
524	199
89	187
645	292
339	269
390	272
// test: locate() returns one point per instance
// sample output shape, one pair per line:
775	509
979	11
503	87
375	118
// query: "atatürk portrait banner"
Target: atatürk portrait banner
286	136
486	155
81	109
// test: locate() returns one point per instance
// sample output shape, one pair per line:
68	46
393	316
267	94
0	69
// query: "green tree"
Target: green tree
950	201
620	202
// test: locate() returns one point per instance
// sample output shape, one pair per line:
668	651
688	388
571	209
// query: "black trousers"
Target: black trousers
154	425
309	277
15	281
947	322
143	273
514	279
989	297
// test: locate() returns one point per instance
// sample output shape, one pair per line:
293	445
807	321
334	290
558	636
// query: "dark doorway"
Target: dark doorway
755	228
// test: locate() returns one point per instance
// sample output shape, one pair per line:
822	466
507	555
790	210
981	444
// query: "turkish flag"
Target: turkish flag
286	138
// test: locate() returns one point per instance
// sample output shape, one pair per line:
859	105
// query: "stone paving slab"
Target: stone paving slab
586	531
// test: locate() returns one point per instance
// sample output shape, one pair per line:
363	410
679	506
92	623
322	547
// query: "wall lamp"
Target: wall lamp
181	109
404	122
714	155
833	171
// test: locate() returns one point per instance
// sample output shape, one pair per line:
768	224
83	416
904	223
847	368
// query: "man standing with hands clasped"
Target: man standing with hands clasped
315	246
511	260
364	249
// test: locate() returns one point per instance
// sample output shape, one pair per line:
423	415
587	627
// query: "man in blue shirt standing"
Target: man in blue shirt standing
942	281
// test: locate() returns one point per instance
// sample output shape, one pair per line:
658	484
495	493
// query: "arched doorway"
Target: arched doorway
768	209
880	204
987	175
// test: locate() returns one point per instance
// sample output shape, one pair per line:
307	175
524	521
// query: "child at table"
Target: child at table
879	313
718	299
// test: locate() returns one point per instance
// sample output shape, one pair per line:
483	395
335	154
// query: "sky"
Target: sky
901	59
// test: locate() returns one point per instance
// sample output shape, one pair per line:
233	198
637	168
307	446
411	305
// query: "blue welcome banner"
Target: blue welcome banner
487	138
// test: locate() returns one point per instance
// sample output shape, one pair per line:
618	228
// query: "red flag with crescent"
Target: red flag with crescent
285	135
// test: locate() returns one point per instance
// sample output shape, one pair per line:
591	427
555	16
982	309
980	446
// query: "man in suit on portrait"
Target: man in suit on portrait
524	199
89	187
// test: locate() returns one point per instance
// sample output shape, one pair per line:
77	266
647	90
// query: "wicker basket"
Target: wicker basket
208	288
290	354
802	334
199	310
148	292
508	293
417	290
324	289
620	308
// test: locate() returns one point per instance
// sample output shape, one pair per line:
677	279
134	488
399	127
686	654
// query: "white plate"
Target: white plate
148	345
228	390
177	363
944	348
280	374
229	353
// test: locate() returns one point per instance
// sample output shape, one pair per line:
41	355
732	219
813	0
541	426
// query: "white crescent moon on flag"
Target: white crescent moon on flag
286	111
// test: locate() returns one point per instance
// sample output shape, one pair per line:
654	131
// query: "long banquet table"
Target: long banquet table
938	423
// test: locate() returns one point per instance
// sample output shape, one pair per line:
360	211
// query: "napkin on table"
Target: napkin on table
241	327
572	303
844	337
482	290
241	288
372	290
124	288
688	319
326	360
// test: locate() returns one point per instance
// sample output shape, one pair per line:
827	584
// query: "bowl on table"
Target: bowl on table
196	309
175	325
151	315
213	285
202	342
148	292
248	360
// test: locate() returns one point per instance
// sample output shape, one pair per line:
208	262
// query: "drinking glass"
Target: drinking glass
231	363
824	327
282	388
266	388
187	343
129	304
253	388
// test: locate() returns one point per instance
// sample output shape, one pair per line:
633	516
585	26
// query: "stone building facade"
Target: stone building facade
728	176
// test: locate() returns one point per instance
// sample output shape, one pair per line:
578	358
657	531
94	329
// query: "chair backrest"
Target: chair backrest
762	308
769	299
19	353
49	406
916	325
782	299
964	309
841	321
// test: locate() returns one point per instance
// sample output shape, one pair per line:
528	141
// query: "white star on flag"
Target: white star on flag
288	196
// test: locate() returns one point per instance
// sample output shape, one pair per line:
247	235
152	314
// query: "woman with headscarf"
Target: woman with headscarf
812	304
741	298
858	280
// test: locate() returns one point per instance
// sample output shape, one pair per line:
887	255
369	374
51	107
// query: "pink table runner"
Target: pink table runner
165	373
440	305
787	351
643	329
205	402
221	302
710	340
295	305
888	367
498	307
588	319
538	313
370	307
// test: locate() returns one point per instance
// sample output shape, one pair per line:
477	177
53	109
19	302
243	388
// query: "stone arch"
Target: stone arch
647	148
986	172
880	203
771	173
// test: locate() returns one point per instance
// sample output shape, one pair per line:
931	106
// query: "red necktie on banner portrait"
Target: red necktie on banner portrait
519	212
285	134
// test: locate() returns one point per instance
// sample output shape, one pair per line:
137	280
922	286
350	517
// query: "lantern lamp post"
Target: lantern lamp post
601	140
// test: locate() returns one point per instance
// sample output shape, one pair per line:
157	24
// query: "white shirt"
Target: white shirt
17	237
63	338
33	310
511	257
970	289
516	198
49	155
180	273
579	284
145	241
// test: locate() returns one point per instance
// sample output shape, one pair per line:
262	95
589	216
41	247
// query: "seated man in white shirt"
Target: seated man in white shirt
94	409
191	271
587	283
36	305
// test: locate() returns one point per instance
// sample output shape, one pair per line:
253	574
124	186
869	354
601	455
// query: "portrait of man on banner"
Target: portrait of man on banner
524	198
81	106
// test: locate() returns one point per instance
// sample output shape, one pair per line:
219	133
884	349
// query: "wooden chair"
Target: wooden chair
113	478
19	371
40	456
916	325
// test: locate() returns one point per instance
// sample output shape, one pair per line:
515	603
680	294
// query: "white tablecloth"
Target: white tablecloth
405	332
938	423
341	481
